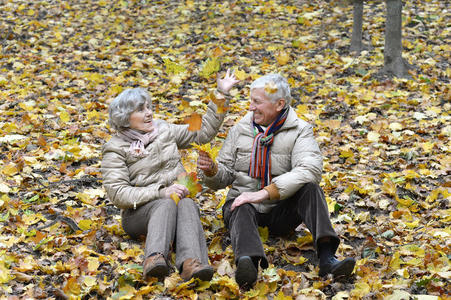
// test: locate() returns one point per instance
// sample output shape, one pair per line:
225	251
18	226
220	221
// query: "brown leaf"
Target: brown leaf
194	121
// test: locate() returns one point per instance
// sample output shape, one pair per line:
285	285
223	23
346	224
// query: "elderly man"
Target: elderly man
273	164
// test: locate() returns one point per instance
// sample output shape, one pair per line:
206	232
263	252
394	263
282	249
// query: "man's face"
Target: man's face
265	111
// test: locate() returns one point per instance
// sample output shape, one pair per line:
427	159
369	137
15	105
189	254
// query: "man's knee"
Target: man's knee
243	210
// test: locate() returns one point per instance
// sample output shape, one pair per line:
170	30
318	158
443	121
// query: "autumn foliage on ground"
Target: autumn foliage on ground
385	141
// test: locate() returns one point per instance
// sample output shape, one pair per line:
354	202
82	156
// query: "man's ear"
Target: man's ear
280	104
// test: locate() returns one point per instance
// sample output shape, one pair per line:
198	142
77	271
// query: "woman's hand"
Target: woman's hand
180	190
250	197
226	84
205	163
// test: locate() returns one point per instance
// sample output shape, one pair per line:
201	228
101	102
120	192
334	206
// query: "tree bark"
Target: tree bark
356	39
394	64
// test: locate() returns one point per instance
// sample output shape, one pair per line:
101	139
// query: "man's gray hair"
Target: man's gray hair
124	104
276	87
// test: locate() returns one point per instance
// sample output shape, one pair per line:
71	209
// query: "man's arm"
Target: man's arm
307	165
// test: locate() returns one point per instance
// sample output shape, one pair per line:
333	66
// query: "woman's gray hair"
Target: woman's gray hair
124	104
275	86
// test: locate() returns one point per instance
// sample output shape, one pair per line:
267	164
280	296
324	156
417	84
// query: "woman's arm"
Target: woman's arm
220	174
211	121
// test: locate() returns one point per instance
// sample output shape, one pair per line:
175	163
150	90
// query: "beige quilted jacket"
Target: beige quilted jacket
295	156
133	181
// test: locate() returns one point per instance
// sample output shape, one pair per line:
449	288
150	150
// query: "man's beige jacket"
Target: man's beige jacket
295	160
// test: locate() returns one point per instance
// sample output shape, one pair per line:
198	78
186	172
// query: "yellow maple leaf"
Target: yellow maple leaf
264	233
10	169
172	67
240	75
270	88
212	151
64	116
85	224
72	287
302	109
282	57
211	66
281	296
389	187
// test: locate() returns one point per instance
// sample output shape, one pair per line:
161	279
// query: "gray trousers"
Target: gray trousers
161	221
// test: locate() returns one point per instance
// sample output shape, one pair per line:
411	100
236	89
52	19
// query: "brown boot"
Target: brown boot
155	266
193	268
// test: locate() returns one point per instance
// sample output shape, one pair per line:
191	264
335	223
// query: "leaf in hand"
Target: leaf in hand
212	151
175	197
194	121
220	103
190	181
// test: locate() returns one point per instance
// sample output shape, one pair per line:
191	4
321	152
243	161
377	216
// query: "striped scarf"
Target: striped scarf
260	165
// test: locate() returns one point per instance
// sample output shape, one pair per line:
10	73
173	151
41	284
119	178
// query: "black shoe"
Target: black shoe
337	267
246	272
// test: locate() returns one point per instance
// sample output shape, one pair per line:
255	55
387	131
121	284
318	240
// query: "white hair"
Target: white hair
125	104
277	84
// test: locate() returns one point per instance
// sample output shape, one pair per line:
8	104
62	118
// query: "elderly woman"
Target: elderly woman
140	164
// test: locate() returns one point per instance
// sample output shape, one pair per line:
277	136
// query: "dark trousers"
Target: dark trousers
308	205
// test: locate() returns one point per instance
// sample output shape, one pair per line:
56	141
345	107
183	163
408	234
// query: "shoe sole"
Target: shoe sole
345	268
158	271
246	273
205	274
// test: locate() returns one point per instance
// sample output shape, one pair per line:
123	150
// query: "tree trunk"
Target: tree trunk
394	64
356	39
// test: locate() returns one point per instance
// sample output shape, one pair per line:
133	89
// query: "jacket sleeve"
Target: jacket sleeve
225	174
211	122
306	163
116	181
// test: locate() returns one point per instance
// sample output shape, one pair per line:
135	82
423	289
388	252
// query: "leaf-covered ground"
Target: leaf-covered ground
386	143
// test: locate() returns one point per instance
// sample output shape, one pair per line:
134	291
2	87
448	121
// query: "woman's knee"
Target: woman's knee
188	204
166	204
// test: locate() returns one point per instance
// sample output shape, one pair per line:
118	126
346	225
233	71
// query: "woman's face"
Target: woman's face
141	119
